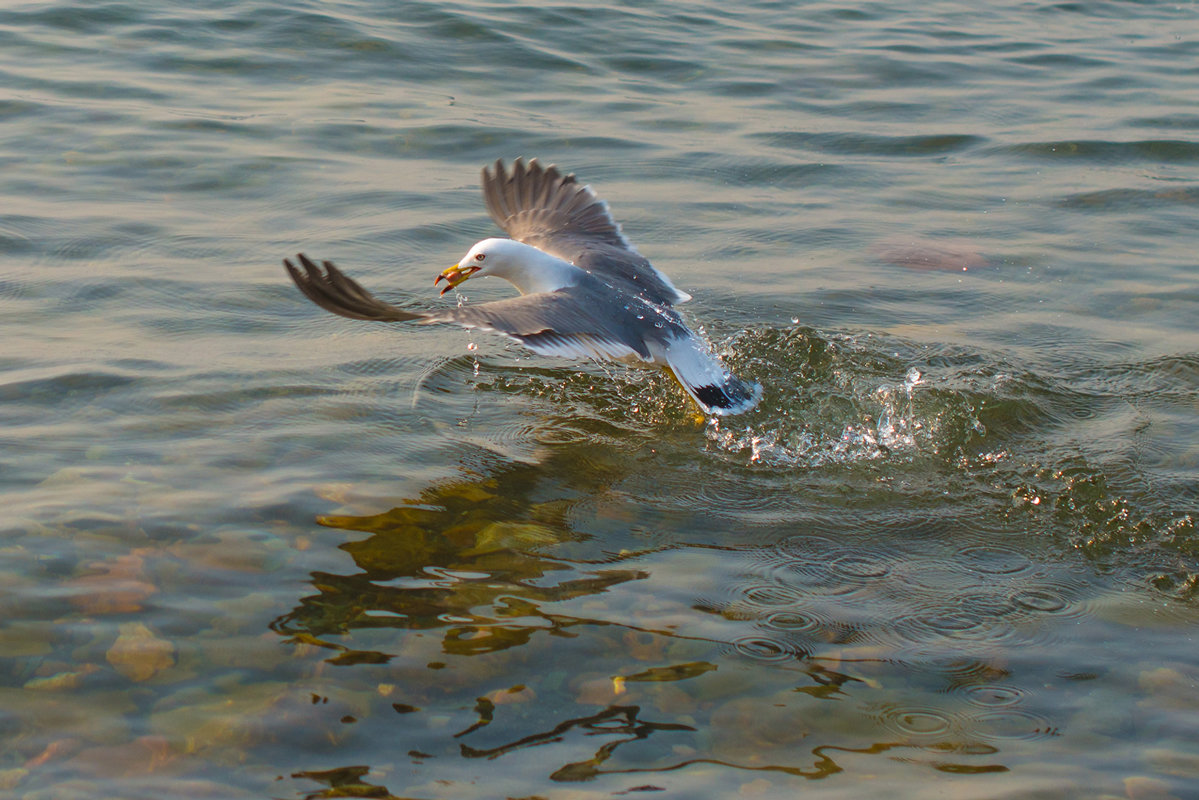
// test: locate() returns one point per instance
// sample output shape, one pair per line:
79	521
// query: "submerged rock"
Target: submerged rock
138	654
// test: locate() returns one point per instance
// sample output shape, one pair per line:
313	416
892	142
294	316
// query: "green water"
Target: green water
254	550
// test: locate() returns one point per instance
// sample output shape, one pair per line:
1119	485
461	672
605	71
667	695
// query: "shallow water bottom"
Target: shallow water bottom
526	633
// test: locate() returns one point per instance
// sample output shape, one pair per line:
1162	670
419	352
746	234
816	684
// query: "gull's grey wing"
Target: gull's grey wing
540	206
333	291
585	320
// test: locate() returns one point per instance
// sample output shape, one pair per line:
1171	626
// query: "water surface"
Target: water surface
255	550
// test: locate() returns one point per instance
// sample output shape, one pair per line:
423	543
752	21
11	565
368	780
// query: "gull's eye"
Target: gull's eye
480	256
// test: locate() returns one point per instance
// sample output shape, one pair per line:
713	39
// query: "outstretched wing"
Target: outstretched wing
581	321
553	212
333	291
569	322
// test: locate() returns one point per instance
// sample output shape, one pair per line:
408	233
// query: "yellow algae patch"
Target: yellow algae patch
61	681
510	536
675	672
514	694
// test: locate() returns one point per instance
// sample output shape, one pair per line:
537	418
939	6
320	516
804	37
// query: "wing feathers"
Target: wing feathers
589	321
534	201
333	291
569	323
540	206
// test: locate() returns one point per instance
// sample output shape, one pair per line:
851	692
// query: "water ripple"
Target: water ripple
761	647
954	620
995	560
869	566
793	621
1041	600
918	722
1124	200
1010	723
771	595
993	695
862	144
1166	151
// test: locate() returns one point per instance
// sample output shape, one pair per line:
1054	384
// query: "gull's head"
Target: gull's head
488	257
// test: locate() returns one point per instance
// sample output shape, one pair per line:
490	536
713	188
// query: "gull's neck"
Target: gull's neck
531	270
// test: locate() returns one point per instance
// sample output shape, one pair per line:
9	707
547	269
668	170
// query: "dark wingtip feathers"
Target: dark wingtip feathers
334	291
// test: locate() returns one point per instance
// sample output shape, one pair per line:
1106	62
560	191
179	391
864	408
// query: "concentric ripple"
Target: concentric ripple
764	648
862	566
981	619
807	563
994	560
772	595
795	621
1010	723
993	695
1043	600
919	722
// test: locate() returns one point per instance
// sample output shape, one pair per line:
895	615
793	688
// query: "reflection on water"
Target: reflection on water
793	657
465	547
655	689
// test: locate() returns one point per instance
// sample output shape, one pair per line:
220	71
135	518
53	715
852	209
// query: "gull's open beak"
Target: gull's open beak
455	275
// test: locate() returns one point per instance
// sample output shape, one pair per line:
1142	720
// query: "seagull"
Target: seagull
585	291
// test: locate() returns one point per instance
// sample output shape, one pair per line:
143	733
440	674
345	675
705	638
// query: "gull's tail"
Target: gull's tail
711	386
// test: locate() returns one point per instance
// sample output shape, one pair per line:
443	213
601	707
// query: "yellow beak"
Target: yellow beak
455	275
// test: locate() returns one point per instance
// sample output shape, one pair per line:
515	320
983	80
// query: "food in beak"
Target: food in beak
454	275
